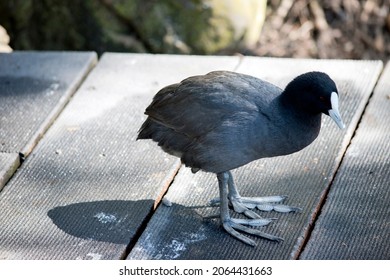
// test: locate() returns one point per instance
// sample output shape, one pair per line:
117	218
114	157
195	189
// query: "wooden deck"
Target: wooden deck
74	183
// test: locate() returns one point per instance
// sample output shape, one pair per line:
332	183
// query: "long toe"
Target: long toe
215	202
227	225
281	208
269	203
257	233
240	207
231	227
264	199
252	222
251	202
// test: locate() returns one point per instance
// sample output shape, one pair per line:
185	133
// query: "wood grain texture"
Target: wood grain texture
87	188
34	88
354	223
9	162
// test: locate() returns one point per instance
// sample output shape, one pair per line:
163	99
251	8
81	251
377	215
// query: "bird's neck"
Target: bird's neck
292	102
301	122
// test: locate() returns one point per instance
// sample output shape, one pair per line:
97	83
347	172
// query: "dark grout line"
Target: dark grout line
57	110
168	181
11	171
49	121
317	211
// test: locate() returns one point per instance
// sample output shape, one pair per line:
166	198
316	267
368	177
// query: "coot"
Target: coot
223	120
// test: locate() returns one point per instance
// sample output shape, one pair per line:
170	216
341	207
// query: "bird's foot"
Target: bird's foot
269	203
232	225
230	196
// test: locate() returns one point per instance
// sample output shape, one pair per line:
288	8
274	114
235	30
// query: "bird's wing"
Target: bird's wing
199	104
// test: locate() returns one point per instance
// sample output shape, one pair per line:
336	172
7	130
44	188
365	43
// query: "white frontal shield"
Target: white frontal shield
334	112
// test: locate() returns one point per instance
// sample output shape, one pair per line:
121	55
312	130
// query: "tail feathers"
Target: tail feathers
170	141
146	130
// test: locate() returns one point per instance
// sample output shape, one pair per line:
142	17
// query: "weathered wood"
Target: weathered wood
87	187
354	222
9	162
34	87
181	232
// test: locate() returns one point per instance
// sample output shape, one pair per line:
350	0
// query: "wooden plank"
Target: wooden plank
180	232
8	165
33	91
354	223
34	87
86	189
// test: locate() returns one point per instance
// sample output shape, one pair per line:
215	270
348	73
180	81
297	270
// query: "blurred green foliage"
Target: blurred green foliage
165	26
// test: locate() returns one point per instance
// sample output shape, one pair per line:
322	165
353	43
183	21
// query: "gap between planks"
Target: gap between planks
345	146
167	182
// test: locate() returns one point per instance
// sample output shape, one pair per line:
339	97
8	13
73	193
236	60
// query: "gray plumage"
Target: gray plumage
223	120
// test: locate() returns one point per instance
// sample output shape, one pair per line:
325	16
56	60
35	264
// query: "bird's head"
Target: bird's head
315	92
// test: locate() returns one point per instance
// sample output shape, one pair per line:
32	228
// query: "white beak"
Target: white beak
334	112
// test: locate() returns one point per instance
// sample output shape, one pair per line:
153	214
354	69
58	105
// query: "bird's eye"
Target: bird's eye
322	98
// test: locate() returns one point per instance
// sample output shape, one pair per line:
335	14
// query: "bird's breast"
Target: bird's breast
286	136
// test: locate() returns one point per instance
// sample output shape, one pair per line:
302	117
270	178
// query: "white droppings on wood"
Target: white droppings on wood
105	218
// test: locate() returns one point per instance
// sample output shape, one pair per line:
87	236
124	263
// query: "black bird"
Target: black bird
223	120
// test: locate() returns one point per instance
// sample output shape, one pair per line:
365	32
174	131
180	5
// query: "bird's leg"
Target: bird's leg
231	224
268	203
236	200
